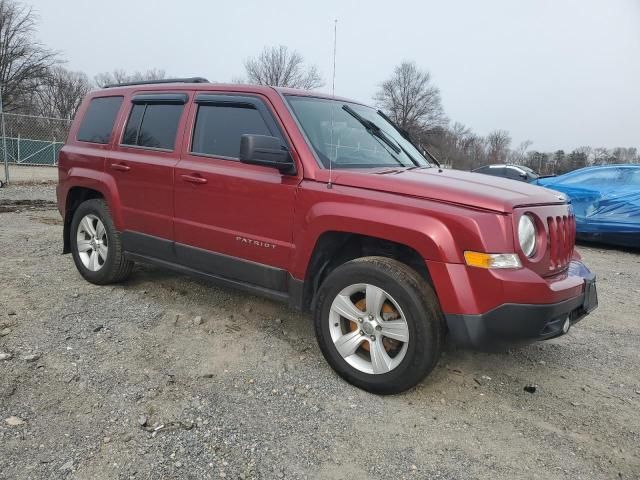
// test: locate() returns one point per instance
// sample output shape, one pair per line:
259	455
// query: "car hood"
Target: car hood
451	186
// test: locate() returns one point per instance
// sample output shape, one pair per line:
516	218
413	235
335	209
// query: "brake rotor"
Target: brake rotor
388	313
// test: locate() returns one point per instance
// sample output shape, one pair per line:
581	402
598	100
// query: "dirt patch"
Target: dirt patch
123	381
47	220
7	206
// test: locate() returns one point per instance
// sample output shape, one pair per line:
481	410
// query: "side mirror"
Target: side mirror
524	176
266	151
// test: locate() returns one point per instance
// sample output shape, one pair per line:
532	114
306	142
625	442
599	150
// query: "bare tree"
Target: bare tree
279	67
411	100
24	62
519	154
498	143
601	156
120	76
625	155
61	93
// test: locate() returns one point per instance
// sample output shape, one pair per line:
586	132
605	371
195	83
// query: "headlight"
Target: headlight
527	235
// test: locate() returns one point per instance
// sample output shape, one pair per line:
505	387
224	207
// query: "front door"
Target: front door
232	219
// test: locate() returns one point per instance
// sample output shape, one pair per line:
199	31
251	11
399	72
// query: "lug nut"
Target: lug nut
370	317
360	320
373	338
361	332
378	327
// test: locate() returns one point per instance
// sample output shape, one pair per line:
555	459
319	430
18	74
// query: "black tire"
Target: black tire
417	300
116	267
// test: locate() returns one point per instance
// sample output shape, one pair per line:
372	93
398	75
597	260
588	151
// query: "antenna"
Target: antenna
333	94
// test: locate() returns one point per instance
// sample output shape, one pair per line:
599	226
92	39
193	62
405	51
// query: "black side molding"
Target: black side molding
233	268
257	278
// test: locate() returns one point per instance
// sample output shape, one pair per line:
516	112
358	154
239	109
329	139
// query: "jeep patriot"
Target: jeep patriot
325	204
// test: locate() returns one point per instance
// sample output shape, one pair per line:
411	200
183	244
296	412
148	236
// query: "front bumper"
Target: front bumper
514	323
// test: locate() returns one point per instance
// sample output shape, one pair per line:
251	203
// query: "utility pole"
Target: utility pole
4	141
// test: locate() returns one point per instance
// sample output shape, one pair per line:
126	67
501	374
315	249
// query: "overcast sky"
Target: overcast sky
562	73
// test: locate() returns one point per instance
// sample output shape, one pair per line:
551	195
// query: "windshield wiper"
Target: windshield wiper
408	138
372	128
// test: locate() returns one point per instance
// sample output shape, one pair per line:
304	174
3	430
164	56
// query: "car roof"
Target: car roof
217	87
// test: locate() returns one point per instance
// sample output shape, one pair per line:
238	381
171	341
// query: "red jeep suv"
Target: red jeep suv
325	204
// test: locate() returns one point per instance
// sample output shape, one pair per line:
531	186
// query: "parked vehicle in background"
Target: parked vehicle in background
325	204
513	172
606	202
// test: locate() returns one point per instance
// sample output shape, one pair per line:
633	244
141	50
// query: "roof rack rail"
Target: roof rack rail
166	80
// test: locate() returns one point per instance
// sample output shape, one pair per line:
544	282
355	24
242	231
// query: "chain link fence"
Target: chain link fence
31	140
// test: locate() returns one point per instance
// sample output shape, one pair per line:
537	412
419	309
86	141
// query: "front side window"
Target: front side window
514	173
345	140
98	120
219	127
153	125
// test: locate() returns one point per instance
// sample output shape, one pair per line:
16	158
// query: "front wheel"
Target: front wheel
379	324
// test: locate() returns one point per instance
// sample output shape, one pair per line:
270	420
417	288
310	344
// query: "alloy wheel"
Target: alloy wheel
92	241
368	328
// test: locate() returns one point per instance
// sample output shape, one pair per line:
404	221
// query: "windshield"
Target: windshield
531	173
344	139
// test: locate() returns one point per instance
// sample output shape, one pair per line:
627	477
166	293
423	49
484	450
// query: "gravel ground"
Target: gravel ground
169	377
21	174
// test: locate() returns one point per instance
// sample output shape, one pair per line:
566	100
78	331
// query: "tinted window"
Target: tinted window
496	171
133	125
98	120
153	125
218	128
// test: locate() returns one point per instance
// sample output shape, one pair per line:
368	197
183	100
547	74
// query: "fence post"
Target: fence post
53	150
4	144
18	159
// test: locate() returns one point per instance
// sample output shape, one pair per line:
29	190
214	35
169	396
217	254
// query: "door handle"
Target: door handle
122	167
194	179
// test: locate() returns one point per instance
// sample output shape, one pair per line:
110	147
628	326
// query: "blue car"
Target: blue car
606	202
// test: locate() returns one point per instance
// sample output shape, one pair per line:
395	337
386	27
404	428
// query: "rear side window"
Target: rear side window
219	127
153	125
98	120
496	171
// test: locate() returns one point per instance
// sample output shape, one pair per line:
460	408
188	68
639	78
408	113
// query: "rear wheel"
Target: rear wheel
379	324
96	245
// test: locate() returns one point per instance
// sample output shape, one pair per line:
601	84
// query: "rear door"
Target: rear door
232	219
142	163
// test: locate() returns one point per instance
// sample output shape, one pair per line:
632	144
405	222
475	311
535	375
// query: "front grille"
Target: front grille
562	237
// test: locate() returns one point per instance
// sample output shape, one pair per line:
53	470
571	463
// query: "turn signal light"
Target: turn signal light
492	260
